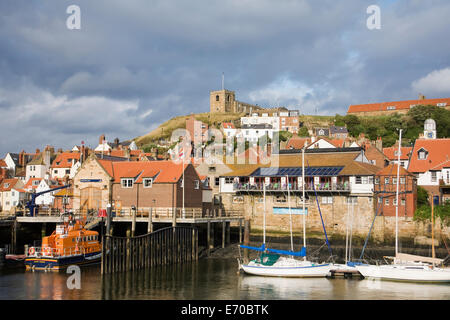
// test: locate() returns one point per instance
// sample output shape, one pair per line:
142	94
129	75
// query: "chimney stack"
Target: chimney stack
421	96
101	139
22	158
38	151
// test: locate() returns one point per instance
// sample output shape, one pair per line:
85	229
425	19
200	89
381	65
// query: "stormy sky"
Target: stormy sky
135	64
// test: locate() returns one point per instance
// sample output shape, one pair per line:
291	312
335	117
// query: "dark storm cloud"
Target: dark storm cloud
135	64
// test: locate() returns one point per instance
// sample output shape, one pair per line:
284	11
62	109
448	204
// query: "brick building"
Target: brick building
384	108
385	190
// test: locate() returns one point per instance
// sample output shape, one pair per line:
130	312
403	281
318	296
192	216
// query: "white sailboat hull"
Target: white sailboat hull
286	268
414	273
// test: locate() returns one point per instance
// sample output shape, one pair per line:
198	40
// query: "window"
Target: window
394	180
127	183
12	193
148	182
181	183
55	171
386	202
217	182
358	180
327	200
280	199
394	202
402	180
365	180
351	200
422	154
212	169
386	180
377	180
229	180
67	171
403	202
441	104
380	200
390	108
433	176
238	199
217	98
196	184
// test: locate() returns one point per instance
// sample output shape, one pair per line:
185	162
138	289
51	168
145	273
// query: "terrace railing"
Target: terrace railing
258	187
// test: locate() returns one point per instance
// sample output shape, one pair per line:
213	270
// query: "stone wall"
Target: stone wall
338	217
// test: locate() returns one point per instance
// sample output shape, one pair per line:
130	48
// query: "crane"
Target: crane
31	204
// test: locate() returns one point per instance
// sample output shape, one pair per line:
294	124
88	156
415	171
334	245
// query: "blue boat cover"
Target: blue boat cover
301	253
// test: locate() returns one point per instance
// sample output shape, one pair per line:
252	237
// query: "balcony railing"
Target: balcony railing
292	187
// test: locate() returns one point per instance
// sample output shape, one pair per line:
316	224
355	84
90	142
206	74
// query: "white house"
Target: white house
255	119
65	163
228	129
46	198
252	132
11	194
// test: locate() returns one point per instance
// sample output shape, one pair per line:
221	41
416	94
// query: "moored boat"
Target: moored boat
69	244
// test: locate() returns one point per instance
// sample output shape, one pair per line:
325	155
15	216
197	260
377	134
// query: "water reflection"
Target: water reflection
207	279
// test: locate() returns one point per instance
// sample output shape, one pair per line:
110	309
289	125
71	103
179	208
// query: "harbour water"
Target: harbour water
207	279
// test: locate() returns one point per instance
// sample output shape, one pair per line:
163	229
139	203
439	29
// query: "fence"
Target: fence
165	246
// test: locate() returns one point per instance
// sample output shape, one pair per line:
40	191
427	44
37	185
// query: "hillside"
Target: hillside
371	126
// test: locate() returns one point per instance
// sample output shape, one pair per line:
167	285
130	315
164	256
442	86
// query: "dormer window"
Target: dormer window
422	154
390	108
148	182
127	183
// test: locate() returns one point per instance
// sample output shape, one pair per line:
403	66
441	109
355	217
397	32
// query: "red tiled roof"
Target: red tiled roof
297	142
165	171
29	184
399	105
8	184
438	153
391	170
391	153
64	160
445	164
3	163
228	125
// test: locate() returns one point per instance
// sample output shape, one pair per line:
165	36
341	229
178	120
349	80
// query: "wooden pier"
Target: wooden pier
165	246
344	271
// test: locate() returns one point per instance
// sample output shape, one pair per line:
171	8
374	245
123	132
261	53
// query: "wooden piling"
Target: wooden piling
223	234
246	239
150	223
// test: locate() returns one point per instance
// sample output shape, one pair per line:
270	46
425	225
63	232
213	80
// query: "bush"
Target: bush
423	213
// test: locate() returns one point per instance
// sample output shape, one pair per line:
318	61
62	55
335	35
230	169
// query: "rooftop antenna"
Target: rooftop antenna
223	81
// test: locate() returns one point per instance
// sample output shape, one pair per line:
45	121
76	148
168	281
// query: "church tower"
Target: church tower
429	129
222	101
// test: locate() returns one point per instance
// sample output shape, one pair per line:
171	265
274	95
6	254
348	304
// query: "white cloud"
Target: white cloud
436	82
294	95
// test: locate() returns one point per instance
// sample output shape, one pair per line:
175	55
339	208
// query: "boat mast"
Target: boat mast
396	206
303	189
264	216
290	214
433	253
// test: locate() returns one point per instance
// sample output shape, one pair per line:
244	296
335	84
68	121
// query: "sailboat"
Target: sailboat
407	267
283	263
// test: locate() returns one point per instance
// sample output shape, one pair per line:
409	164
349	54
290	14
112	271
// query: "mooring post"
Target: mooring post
208	237
13	237
133	221
228	232
174	217
246	238
150	223
108	219
240	231
223	233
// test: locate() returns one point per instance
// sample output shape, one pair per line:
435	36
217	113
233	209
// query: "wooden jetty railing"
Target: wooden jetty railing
165	246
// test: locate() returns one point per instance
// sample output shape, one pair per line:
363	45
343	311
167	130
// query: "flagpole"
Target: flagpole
183	176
